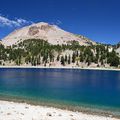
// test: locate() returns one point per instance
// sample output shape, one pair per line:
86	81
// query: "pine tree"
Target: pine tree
58	57
62	61
69	59
73	57
66	58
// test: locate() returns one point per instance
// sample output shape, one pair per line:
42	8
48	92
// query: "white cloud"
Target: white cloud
4	21
57	22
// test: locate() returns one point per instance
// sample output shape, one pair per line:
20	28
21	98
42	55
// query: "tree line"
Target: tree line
40	52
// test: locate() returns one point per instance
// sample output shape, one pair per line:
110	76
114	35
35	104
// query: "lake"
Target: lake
76	89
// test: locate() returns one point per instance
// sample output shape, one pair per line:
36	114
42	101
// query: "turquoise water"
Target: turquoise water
75	89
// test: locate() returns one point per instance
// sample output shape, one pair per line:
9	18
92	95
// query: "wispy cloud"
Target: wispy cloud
57	22
4	21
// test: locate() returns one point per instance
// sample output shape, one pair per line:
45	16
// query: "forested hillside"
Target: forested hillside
35	52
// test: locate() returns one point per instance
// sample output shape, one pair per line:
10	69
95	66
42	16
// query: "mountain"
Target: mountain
37	45
51	33
117	48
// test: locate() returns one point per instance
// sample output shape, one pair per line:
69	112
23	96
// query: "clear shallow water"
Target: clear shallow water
76	88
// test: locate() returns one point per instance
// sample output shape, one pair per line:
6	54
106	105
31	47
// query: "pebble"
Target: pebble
49	114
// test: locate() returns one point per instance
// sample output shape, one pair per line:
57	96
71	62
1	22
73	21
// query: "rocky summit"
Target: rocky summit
51	33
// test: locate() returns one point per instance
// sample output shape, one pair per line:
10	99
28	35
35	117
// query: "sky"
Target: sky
99	20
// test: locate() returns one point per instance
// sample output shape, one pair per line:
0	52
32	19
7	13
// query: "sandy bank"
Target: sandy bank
23	111
63	67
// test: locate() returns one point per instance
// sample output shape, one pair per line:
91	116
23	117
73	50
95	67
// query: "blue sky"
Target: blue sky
98	20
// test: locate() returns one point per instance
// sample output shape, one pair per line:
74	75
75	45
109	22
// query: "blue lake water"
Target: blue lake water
76	88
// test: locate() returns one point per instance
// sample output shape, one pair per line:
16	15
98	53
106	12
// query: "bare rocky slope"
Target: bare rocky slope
51	33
